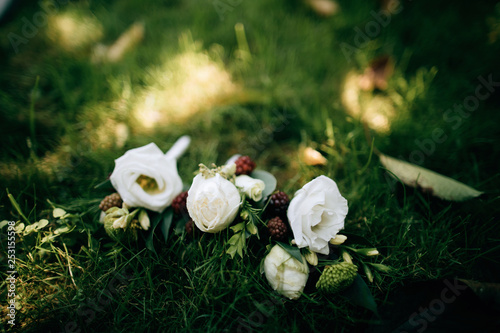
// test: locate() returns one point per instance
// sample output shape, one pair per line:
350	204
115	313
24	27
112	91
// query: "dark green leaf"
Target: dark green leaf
268	180
16	206
180	226
149	239
166	222
292	250
358	293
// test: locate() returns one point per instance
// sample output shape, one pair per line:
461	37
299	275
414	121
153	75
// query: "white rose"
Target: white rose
316	214
146	177
213	203
284	273
251	187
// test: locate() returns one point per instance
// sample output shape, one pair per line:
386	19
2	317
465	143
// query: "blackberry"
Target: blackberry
244	165
112	200
337	277
278	204
179	204
190	228
277	228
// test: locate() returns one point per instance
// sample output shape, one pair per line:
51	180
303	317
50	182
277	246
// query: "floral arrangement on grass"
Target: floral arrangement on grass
301	234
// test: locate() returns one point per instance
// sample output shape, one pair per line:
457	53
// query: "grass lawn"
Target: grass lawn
259	78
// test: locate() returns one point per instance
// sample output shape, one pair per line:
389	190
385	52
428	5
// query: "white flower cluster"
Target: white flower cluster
316	214
148	179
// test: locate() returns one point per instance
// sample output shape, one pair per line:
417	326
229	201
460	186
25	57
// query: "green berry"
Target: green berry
337	277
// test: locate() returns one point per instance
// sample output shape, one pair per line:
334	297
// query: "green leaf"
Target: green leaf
238	227
429	181
180	226
292	250
268	179
16	206
166	222
19	228
41	224
62	230
359	294
29	229
232	251
3	223
242	245
234	239
149	238
48	238
58	212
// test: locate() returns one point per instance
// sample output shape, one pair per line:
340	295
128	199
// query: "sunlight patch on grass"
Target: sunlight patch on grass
377	111
74	30
10	170
183	86
51	164
109	134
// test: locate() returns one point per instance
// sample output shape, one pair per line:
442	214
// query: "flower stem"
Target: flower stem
179	147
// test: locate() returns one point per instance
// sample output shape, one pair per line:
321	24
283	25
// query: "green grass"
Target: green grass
296	69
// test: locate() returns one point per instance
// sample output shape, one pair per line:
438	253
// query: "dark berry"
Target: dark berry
179	204
244	165
112	200
278	204
277	229
190	228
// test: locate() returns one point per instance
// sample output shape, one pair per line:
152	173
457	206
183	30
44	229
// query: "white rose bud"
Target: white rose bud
144	219
229	169
338	240
251	187
316	214
145	177
284	273
213	203
312	258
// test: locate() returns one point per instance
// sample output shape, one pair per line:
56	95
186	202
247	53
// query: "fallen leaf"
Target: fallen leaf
127	40
485	291
324	8
429	181
313	157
